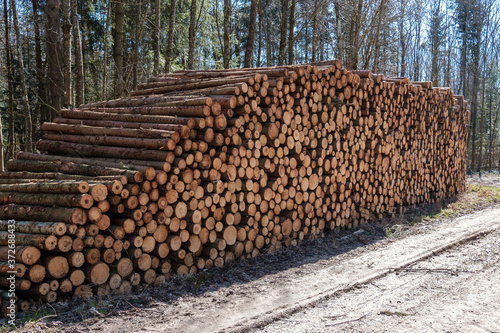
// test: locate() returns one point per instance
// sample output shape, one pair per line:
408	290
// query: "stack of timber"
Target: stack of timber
197	168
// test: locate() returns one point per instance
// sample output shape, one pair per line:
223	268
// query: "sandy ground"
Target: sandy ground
439	276
455	291
485	179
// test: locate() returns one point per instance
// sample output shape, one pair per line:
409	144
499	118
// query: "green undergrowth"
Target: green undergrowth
476	197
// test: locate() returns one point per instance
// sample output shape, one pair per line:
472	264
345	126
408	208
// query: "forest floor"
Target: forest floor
435	268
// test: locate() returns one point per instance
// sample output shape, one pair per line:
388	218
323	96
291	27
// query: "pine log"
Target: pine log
183	130
28	255
29	227
111	131
47	187
87	150
63	200
45	214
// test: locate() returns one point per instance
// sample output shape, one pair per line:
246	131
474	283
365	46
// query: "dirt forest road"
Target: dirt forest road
456	290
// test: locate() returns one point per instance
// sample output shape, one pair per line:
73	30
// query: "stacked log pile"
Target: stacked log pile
197	168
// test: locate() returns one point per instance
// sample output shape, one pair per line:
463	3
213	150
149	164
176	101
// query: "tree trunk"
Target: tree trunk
338	28
156	39
402	41
314	32
10	144
42	113
66	28
416	72
80	83
192	34
283	31
252	28
493	127
259	50
226	50
291	35
267	36
435	28
138	35
105	60
2	169
119	17
356	35
170	39
53	54
27	109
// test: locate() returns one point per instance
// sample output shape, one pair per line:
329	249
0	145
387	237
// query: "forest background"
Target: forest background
62	53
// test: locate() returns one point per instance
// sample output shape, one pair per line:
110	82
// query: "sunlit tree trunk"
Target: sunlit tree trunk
24	90
226	50
66	29
252	28
156	38
10	141
192	34
291	33
80	80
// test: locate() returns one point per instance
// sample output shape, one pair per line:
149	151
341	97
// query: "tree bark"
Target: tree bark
416	72
170	39
138	35
44	199
192	34
53	55
339	54
119	17
66	28
44	214
252	29
435	28
42	113
226	50
2	169
283	32
291	34
314	46
402	37
156	39
10	144
80	83
105	60
27	109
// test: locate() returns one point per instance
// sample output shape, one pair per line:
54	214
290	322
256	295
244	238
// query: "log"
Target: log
183	130
110	131
28	255
57	266
88	150
44	242
16	269
30	227
63	200
97	274
91	115
45	214
67	187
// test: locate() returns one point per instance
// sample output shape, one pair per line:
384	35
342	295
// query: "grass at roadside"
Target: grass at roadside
476	197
